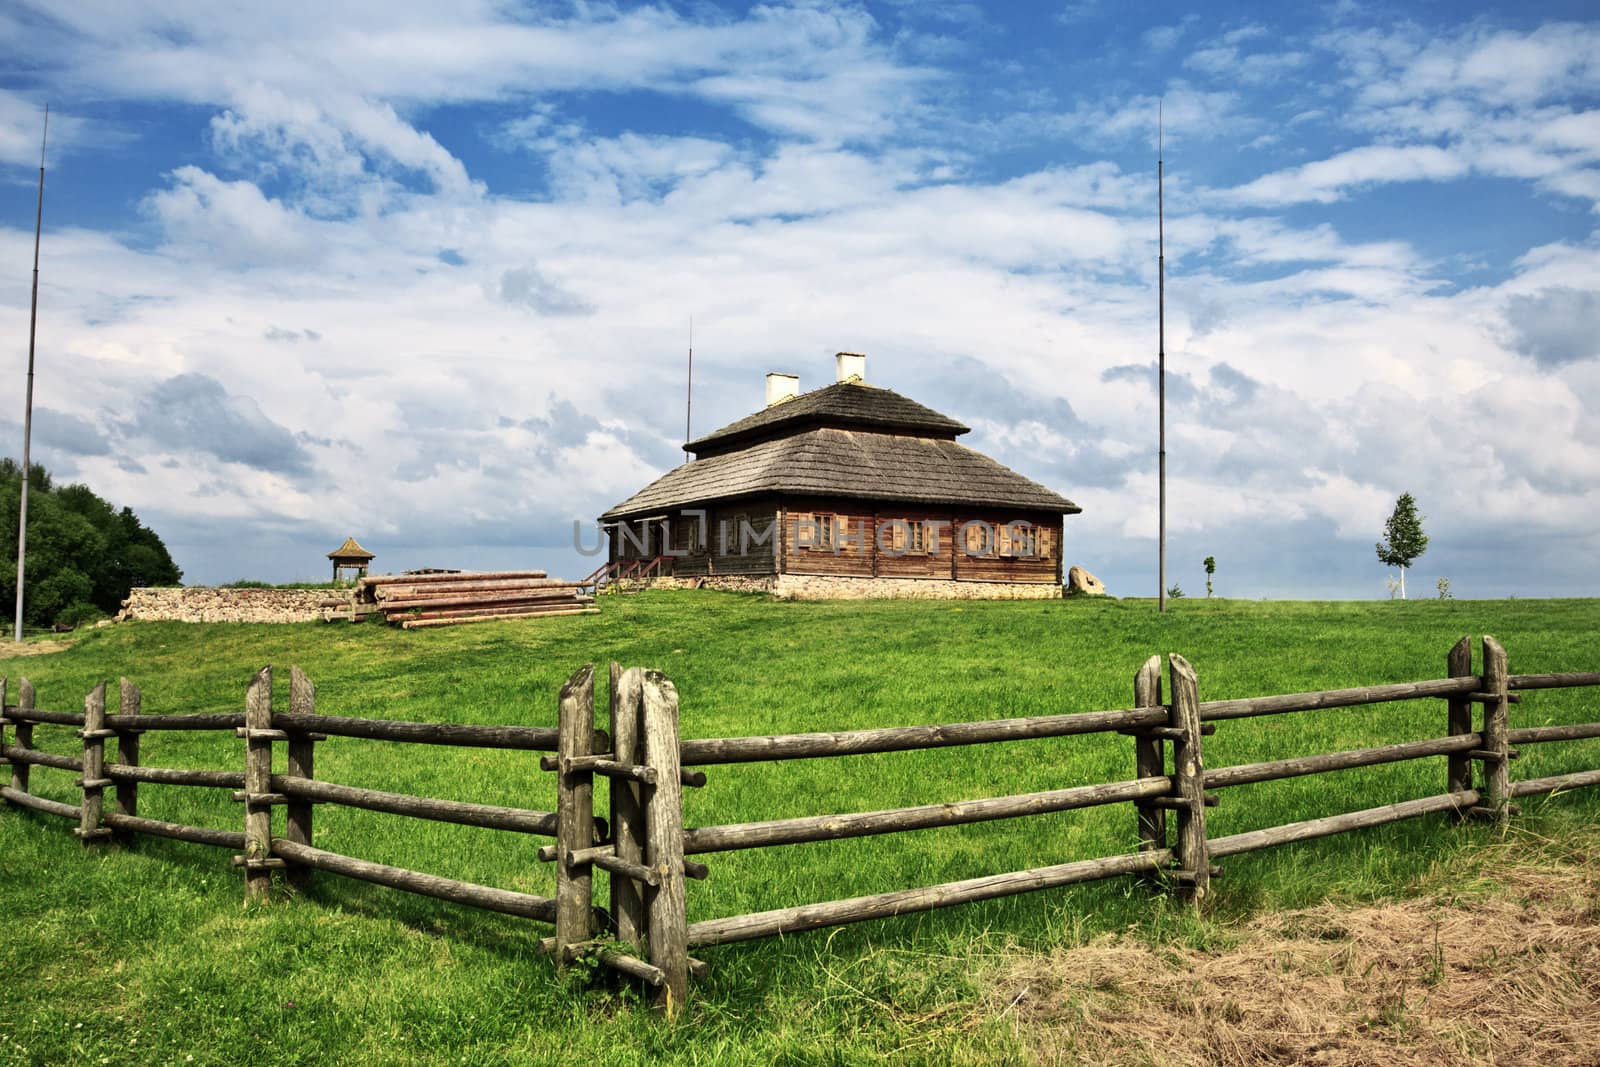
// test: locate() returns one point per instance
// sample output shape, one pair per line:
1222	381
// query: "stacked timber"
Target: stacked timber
415	601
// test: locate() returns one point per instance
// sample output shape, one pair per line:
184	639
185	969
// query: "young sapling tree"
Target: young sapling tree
1403	539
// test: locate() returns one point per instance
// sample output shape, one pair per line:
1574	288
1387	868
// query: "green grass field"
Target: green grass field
146	955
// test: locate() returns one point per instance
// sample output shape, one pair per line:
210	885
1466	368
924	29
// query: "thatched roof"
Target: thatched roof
844	404
863	465
350	550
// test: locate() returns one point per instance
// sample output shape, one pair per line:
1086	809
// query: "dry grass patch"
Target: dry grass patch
36	648
1495	961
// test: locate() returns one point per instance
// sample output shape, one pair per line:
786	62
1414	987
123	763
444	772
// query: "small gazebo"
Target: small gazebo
350	557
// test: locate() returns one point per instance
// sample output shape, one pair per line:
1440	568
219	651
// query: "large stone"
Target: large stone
1081	583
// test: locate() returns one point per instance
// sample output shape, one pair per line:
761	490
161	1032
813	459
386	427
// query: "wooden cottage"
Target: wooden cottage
846	491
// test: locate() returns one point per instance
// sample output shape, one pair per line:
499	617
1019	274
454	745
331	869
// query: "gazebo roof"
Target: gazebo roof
350	550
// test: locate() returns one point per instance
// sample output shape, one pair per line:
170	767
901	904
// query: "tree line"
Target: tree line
84	554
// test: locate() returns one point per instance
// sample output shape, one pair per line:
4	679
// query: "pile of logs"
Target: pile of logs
415	601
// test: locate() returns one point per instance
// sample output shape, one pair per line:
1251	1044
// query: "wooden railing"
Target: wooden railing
648	850
259	790
645	766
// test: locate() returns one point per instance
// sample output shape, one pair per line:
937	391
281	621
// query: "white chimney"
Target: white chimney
781	387
852	366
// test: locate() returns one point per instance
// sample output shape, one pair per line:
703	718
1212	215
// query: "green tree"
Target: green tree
83	554
1403	540
1211	568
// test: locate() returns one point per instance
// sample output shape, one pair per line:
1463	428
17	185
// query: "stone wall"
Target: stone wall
828	587
203	604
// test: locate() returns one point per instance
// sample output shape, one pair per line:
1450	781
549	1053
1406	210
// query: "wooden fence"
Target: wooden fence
645	764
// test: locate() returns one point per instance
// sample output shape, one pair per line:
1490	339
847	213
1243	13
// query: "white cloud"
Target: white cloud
385	321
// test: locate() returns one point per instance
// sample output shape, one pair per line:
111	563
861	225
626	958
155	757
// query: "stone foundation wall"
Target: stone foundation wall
826	587
727	583
203	604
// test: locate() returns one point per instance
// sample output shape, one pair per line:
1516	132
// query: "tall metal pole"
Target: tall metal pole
688	404
27	418
1161	346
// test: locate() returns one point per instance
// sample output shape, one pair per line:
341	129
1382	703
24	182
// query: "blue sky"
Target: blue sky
426	276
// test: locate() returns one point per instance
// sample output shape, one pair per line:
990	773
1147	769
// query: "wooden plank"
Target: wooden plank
423	624
33	757
24	735
1458	716
1149	757
627	809
1555	783
666	912
1235	844
120	772
1552	681
301	765
132	824
1216	710
49	807
1188	782
1533	735
441	602
1496	724
726	838
709	750
428	885
127	802
201	721
906	901
575	811
497	608
469	735
418	591
258	779
94	761
21	713
1274	770
376	580
517	820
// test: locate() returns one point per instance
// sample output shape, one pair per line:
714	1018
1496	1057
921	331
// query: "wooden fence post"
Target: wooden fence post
127	754
668	915
574	815
1458	664
301	764
1496	748
627	810
257	784
93	782
1149	757
3	760
1188	779
19	770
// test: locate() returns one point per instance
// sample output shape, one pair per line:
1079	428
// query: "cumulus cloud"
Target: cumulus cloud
1556	326
196	413
410	255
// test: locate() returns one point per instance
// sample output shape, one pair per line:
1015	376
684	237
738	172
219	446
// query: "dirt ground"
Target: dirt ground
1498	965
33	648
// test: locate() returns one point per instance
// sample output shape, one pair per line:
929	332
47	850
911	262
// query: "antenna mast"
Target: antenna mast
1161	344
27	418
688	403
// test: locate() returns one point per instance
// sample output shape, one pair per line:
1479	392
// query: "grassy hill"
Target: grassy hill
146	954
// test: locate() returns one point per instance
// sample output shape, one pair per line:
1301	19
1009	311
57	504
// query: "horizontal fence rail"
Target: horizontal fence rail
471	735
701	752
260	852
866	823
454	811
641	764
